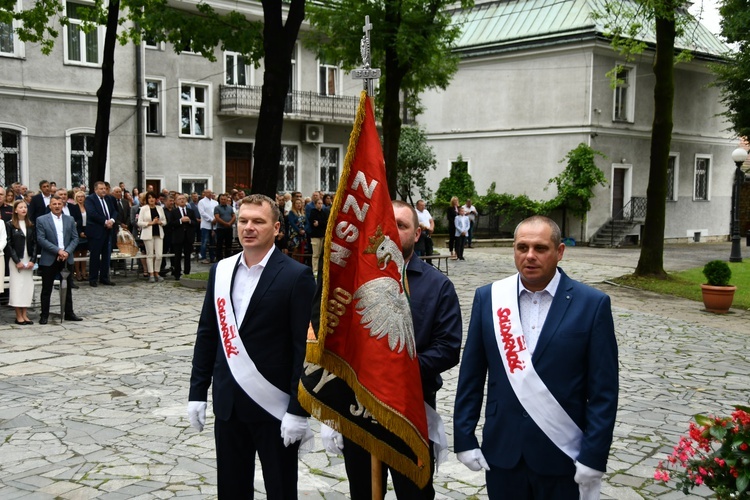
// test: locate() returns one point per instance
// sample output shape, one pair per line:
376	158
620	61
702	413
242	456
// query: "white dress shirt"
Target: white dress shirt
534	307
59	230
245	281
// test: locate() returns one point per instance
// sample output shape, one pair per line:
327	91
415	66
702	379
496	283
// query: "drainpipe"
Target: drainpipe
139	124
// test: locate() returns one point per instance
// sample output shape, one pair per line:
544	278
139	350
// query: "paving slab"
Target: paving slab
96	409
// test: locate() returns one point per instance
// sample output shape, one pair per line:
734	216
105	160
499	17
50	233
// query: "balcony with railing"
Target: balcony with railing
245	101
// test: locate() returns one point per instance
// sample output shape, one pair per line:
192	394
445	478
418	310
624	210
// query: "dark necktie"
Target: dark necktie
104	206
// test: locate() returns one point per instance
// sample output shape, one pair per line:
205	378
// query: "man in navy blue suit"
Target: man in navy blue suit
100	219
548	345
250	345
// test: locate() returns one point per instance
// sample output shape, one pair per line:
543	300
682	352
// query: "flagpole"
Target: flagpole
376	471
367	74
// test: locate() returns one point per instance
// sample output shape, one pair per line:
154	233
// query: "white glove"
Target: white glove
589	482
293	428
197	414
473	459
333	441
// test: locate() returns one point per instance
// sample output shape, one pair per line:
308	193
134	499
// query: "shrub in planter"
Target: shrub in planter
717	273
718	294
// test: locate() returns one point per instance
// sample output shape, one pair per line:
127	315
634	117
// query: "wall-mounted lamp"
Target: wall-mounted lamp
624	160
239	131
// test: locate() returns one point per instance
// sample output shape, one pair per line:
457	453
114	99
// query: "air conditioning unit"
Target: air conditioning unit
312	133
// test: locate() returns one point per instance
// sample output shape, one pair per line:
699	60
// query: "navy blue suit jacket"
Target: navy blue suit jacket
274	332
576	358
95	216
436	316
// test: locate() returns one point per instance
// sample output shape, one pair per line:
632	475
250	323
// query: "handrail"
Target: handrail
635	207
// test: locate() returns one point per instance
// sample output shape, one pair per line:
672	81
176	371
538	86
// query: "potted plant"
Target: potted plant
716	453
717	293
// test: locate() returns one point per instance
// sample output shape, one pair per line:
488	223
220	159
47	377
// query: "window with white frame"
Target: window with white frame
194	185
702	178
193	110
10	156
673	173
81	47
236	70
10	45
154	109
81	152
624	94
287	169
329	169
329	77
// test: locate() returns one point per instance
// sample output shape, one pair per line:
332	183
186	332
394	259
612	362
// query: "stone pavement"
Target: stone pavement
96	409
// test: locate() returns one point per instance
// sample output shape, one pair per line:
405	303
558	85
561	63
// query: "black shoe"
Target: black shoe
43	320
72	317
163	273
20	322
109	283
29	322
93	283
73	285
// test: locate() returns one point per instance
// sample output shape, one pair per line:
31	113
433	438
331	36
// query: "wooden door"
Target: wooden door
238	166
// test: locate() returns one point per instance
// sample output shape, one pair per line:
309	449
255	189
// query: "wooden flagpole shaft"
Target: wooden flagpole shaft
376	472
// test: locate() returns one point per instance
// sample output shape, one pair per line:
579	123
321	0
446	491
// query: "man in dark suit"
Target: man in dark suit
100	221
436	315
548	345
262	299
167	237
183	223
40	201
56	255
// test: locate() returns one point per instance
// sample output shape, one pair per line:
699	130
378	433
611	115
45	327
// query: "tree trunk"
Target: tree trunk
651	261
278	43
98	165
393	78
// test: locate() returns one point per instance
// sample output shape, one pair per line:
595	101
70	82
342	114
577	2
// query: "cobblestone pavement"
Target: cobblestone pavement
96	409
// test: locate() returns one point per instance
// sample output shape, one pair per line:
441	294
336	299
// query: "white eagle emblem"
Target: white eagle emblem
381	301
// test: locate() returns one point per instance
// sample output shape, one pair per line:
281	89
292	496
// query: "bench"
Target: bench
439	258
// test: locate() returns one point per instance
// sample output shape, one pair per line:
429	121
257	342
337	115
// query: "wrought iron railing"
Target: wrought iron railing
633	209
246	100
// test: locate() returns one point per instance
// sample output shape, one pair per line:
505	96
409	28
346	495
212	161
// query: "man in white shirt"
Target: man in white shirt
206	211
427	224
471	212
57	238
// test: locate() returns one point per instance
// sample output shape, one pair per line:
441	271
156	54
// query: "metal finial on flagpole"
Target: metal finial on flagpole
366	73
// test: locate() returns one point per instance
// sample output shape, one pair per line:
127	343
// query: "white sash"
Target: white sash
530	390
245	373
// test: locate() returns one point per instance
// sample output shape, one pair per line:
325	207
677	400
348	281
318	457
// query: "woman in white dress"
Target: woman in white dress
22	250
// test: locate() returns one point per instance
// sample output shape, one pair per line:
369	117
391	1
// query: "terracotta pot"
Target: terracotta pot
718	299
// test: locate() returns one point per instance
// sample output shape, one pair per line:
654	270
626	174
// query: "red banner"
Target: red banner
365	335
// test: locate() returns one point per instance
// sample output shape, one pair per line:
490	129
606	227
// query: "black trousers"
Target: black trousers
357	461
100	250
182	253
460	242
223	242
522	483
48	277
236	445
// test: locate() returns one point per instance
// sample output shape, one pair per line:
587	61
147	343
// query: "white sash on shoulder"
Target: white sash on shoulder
265	394
530	390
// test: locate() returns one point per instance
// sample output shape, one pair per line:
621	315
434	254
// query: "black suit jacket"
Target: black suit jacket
37	207
274	332
17	240
182	232
123	216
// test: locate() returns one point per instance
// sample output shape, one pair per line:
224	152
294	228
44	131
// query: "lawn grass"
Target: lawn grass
197	276
687	283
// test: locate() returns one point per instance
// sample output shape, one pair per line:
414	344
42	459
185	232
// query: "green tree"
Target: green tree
734	77
625	21
575	184
411	44
415	159
201	30
458	183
